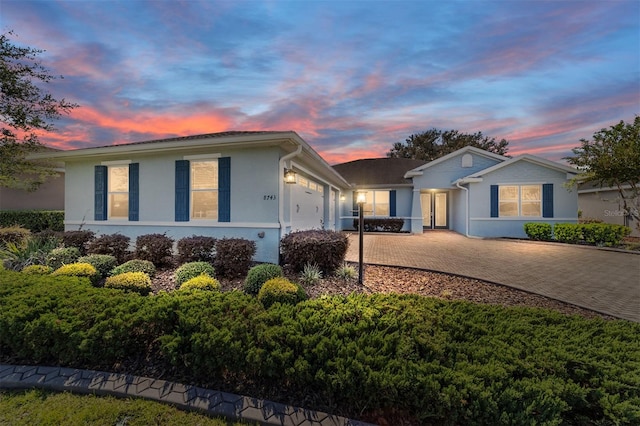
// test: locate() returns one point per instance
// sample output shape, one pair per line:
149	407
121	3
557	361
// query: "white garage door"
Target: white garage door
307	205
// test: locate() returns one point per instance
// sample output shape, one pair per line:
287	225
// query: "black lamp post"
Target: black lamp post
360	200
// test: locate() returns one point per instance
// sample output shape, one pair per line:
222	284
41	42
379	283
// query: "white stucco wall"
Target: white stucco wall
441	175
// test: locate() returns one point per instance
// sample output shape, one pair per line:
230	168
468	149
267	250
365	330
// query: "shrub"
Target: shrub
604	234
78	270
260	274
325	248
538	231
37	270
380	225
346	272
104	263
201	282
34	220
136	282
234	256
116	245
281	290
62	256
156	248
13	234
311	274
135	265
196	249
78	239
567	232
32	252
192	270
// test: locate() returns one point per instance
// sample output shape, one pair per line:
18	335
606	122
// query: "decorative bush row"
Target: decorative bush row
380	225
599	234
33	220
324	248
428	360
260	274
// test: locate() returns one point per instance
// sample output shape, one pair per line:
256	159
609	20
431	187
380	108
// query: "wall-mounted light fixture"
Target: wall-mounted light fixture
289	176
343	197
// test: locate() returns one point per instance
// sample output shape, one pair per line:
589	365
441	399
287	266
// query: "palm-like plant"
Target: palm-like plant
32	251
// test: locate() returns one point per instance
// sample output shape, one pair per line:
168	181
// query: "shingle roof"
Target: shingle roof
377	171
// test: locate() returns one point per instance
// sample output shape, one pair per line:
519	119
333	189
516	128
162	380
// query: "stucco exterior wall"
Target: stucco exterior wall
49	196
565	202
441	175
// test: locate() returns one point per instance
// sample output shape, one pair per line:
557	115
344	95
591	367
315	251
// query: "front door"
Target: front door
434	210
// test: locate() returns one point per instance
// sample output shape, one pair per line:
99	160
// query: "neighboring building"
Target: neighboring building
605	204
49	196
229	184
471	191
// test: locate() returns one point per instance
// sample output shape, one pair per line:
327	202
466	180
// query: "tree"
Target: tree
435	143
25	110
612	159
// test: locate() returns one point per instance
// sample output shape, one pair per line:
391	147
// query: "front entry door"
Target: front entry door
434	210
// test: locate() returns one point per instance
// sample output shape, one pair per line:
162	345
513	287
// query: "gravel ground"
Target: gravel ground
383	279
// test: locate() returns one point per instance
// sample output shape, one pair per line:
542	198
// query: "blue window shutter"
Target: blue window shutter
547	200
182	190
100	190
355	203
134	192
392	203
494	201
224	189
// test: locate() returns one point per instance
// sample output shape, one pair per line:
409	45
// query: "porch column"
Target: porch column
416	212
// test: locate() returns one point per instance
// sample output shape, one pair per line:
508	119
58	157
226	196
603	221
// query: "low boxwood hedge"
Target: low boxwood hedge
433	361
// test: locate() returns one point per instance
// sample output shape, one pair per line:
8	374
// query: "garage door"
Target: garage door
307	205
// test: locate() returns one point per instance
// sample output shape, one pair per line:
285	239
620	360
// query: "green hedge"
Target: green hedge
430	360
33	220
598	234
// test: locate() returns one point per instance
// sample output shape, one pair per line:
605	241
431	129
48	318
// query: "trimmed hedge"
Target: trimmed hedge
196	249
156	248
61	256
116	245
325	248
136	282
260	274
104	263
595	233
201	282
83	270
33	220
538	231
135	265
233	257
281	290
380	225
375	357
191	270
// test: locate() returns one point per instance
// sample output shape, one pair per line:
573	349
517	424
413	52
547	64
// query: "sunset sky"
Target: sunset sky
351	77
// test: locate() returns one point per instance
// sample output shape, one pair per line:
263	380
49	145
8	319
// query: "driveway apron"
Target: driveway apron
602	280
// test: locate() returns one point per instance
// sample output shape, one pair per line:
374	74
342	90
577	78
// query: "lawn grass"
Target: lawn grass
38	407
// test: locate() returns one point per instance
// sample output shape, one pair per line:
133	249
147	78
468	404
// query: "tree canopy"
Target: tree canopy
612	159
435	143
25	110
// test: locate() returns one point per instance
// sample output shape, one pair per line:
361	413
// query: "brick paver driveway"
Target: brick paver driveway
602	280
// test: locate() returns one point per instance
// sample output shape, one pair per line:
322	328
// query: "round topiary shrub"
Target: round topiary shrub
37	270
281	290
78	270
135	265
192	270
104	263
260	274
62	256
201	282
136	282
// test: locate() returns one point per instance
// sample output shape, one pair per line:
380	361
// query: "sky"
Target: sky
350	77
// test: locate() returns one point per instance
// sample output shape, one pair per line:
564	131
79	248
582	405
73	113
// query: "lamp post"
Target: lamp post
360	200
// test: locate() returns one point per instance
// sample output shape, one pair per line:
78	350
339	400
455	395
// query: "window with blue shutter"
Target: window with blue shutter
494	201
392	203
100	193
134	191
547	200
182	190
224	189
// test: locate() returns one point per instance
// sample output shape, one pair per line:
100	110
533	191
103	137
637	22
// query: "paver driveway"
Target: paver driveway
602	280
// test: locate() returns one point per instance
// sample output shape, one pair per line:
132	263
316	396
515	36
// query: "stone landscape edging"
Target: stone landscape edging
186	397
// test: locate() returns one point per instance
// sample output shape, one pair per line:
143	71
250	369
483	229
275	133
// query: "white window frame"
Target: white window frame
110	192
193	191
370	204
519	200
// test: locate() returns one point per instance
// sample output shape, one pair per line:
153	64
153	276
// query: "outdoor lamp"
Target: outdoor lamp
361	198
289	176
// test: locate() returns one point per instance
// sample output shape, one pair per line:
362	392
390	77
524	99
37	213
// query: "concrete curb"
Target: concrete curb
186	397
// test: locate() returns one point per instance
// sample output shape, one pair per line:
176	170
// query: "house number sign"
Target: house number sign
269	197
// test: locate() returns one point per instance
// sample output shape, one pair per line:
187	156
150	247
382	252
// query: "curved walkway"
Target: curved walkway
606	281
214	403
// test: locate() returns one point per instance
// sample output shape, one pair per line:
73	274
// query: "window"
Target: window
118	194
376	204
520	200
204	189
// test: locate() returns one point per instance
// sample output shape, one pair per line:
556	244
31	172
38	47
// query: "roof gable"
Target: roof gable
525	157
467	149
